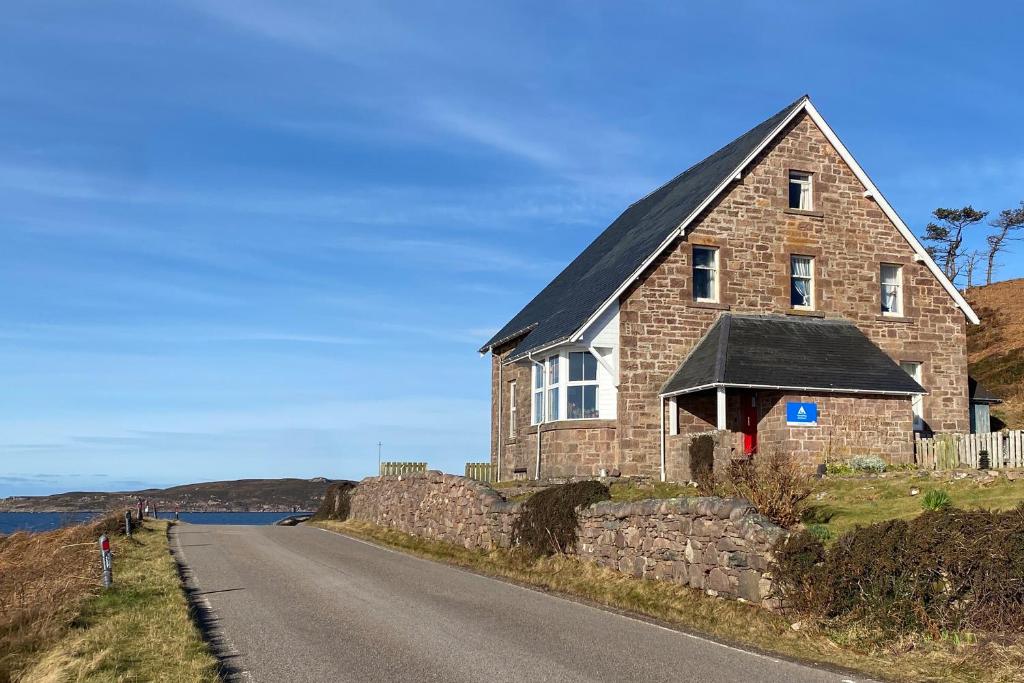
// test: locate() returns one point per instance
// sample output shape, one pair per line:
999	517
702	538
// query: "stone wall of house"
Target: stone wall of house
442	507
679	460
847	426
848	235
721	546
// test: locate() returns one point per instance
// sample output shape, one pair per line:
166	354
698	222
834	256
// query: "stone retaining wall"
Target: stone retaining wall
721	546
438	506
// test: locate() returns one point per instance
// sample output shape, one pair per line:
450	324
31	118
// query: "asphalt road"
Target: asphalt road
286	604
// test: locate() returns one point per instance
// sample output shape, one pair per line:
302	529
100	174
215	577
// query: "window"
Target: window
705	274
538	393
800	191
581	393
512	409
892	289
917	402
801	282
552	387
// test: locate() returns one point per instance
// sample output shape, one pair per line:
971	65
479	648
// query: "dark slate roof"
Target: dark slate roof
791	352
577	292
980	394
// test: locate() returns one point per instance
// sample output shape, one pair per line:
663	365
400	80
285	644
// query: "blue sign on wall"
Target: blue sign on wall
801	414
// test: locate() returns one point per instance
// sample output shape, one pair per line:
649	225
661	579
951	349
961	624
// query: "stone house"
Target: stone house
768	294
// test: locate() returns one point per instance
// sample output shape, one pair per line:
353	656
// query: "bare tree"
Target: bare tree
1009	221
971	261
946	237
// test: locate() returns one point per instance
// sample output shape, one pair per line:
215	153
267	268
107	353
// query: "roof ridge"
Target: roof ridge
723	344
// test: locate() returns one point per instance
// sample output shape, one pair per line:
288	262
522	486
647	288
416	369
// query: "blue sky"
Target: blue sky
245	239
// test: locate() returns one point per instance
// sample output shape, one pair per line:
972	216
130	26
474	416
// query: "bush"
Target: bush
936	499
548	521
775	484
838	468
820	532
946	570
867	463
336	503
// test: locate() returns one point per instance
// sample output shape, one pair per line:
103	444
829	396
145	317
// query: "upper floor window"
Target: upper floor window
581	393
705	274
512	409
892	289
800	191
801	282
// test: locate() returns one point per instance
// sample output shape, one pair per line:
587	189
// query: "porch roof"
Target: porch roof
788	352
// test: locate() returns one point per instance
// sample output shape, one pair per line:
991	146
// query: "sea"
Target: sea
47	521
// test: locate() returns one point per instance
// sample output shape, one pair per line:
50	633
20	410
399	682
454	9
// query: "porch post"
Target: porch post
721	409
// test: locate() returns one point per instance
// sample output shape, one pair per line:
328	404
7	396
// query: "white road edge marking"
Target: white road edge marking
581	604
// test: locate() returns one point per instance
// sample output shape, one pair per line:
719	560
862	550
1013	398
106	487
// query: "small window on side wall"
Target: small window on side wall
705	274
800	191
892	289
512	409
801	282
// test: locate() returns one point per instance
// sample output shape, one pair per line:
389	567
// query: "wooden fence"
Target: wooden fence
947	451
387	468
481	471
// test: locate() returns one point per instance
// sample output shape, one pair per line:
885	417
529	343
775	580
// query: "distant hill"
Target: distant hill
995	349
242	495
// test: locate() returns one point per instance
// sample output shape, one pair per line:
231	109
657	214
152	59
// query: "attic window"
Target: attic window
800	191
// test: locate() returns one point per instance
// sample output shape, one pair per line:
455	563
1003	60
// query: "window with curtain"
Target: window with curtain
581	392
538	394
512	409
705	274
800	191
892	289
917	402
552	364
802	282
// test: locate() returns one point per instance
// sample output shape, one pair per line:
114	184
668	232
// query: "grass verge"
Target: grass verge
139	630
953	658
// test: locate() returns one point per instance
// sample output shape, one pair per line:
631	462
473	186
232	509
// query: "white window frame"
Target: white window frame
553	384
596	383
810	279
914	369
512	409
806	182
715	273
898	311
537	393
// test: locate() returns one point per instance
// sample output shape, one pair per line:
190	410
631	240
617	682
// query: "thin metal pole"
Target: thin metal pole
379	444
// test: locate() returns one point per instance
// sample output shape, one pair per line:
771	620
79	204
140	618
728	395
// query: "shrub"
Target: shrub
336	504
936	499
867	463
838	468
946	570
548	521
775	484
820	532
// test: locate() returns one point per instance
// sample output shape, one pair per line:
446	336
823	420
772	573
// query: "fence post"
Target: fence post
107	560
128	523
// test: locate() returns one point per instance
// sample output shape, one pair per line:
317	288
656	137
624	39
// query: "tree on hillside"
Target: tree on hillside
946	237
971	261
1006	225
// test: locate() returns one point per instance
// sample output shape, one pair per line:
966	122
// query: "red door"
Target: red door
749	424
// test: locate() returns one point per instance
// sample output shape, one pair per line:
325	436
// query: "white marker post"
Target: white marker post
107	558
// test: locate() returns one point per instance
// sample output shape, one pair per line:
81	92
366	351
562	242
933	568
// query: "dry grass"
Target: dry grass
955	657
140	630
44	578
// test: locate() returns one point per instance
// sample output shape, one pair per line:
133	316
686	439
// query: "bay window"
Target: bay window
566	393
581	393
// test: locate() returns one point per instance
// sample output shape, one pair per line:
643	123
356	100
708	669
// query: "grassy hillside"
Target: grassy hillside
995	349
252	495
